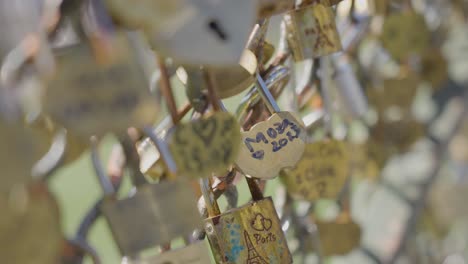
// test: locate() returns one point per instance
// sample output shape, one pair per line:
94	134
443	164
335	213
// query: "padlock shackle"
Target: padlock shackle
163	149
104	182
210	200
266	95
254	189
52	160
133	161
212	90
166	89
257	38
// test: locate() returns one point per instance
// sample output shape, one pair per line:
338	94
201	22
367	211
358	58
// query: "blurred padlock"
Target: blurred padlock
194	253
405	34
30	225
196	32
274	144
229	80
312	31
207	145
21	149
248	234
340	236
321	173
154	215
93	98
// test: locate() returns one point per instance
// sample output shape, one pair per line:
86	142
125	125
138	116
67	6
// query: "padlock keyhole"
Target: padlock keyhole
215	27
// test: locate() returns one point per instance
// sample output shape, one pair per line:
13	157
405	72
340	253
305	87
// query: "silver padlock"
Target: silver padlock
155	214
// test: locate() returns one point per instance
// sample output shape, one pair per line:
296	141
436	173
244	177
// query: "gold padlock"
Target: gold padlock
207	145
249	234
321	173
312	31
194	253
100	85
30	225
405	34
340	236
21	149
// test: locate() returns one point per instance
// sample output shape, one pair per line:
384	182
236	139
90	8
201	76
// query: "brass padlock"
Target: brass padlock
405	34
30	225
229	80
248	234
397	92
154	215
19	153
207	145
274	144
194	253
101	86
340	236
312	31
321	173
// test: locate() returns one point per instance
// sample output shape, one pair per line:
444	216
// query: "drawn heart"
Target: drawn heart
257	222
267	224
205	129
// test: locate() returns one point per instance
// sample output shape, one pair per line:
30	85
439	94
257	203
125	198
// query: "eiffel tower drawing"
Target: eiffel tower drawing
253	257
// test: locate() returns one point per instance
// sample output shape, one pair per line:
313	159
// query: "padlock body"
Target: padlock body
196	253
92	97
249	234
272	145
338	238
156	214
321	173
312	31
205	146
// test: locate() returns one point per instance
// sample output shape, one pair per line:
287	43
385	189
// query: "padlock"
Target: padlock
232	79
30	225
178	28
405	34
207	145
321	173
312	31
362	164
398	92
154	215
248	234
271	145
20	151
229	80
397	135
340	236
194	253
434	68
100	86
